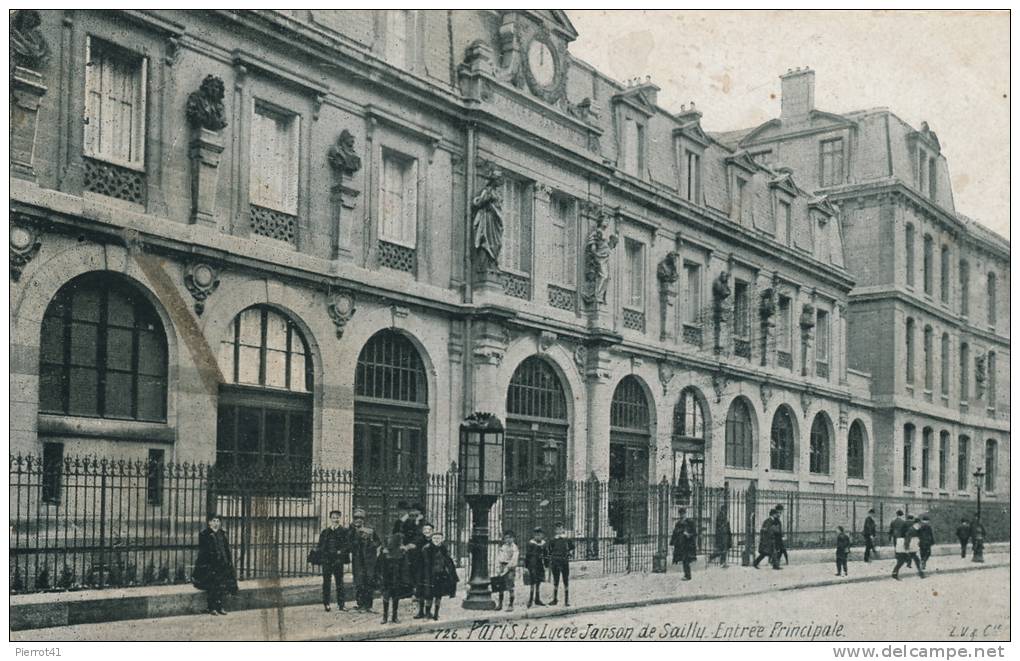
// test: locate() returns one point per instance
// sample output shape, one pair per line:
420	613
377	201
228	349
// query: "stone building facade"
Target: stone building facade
253	237
928	315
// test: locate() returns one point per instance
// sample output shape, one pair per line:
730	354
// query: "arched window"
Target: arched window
926	439
265	406
630	431
908	453
929	256
929	373
909	261
855	451
537	424
390	410
783	445
910	350
944	362
102	352
739	435
688	417
820	445
992	303
944	274
991	464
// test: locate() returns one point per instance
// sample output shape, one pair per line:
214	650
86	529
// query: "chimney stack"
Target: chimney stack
798	94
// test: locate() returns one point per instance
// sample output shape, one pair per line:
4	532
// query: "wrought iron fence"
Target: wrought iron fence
83	522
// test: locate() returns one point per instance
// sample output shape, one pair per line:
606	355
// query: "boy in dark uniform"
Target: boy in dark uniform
560	550
870	531
963	534
364	554
416	557
926	539
535	560
440	574
842	550
334	551
392	575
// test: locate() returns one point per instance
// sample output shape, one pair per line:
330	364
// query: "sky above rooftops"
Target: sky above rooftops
950	69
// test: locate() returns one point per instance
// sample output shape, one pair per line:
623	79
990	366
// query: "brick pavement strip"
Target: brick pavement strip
590	595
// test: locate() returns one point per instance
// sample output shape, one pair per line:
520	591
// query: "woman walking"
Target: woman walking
214	566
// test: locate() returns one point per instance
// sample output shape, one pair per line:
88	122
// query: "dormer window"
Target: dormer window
690	143
632	109
740	199
633	147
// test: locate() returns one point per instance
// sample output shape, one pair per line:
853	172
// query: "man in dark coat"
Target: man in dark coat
842	550
364	554
334	551
416	558
925	539
723	537
897	536
963	534
870	532
766	541
910	543
561	548
214	566
440	574
536	558
777	530
688	541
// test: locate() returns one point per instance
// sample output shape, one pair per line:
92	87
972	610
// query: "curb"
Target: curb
406	630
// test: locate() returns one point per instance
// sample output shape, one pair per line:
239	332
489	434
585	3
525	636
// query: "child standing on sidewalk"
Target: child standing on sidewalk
560	550
507	558
440	574
393	576
842	550
535	561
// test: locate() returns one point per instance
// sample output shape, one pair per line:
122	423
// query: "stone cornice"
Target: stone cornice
881	295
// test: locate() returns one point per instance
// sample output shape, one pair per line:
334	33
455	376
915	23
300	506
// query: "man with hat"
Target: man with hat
897	535
963	535
870	530
365	545
687	538
925	539
766	541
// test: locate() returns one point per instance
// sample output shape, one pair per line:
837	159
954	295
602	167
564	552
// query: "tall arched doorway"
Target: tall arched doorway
630	440
688	444
537	424
391	414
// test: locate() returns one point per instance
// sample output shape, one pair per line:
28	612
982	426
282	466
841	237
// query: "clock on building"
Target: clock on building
542	62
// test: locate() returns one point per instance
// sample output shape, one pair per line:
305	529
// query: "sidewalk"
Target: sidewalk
610	592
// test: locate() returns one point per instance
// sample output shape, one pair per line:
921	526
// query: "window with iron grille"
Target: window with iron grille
537	425
926	441
688	417
739	435
629	441
831	168
783	446
820	445
265	348
908	453
52	472
963	464
103	352
629	409
855	451
115	95
536	392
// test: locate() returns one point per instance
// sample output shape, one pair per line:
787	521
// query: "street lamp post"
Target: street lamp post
481	479
978	544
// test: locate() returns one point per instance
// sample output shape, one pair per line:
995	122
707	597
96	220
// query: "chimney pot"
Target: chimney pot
798	93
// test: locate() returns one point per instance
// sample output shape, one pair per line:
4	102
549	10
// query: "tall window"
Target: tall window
908	453
964	287
740	198
944	274
398	214
739	435
932	172
992	374
103	352
784	325
944	371
273	165
820	445
518	216
855	451
688	417
783	447
114	126
822	336
630	428
693	177
963	464
635	274
910	350
399	29
991	464
564	219
909	248
831	168
926	440
537	419
929	372
784	221
964	372
928	258
741	311
992	303
693	313
633	147
943	459
265	404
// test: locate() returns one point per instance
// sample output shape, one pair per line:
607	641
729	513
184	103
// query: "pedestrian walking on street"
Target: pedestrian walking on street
365	545
214	567
723	537
766	544
870	533
910	524
685	541
925	540
535	560
416	560
842	550
334	552
897	536
963	534
440	574
507	558
977	540
392	575
561	548
777	530
911	532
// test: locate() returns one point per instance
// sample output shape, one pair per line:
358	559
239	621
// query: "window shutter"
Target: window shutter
291	136
93	98
410	204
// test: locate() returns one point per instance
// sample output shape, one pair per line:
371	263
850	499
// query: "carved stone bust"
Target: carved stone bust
807	316
342	156
28	47
205	105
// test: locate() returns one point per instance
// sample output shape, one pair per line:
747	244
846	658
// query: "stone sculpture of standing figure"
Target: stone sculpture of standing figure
487	222
597	249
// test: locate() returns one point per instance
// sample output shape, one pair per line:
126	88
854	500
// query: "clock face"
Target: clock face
541	62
